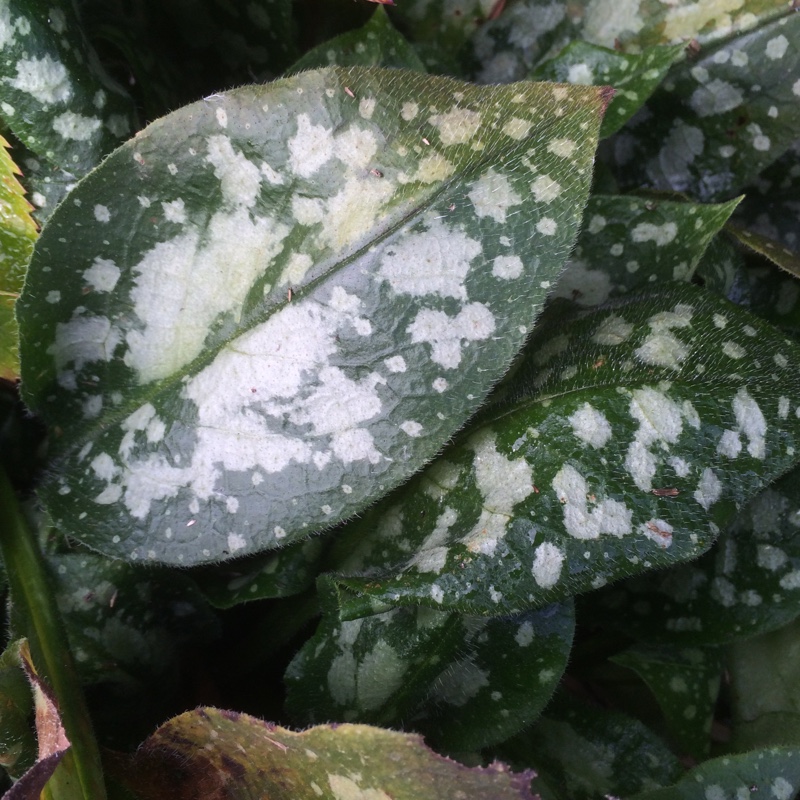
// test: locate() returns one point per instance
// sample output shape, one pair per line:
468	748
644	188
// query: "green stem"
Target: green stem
31	591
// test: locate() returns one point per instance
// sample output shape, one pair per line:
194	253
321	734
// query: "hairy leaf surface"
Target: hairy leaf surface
306	288
625	442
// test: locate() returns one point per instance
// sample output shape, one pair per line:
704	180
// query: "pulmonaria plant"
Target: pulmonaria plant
442	381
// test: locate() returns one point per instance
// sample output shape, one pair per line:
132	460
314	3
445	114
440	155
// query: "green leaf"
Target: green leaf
773	773
17	740
464	682
299	282
583	752
630	243
685	683
649	22
778	254
18	232
765	689
507	48
634	76
711	129
56	97
252	758
722	270
748	584
377	44
289	571
625	442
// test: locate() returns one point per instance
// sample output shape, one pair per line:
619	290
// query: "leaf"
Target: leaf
508	48
710	130
634	76
292	297
377	44
722	270
649	22
765	689
464	682
685	683
56	98
773	773
625	442
585	752
748	584
18	232
17	741
289	571
781	256
630	243
252	758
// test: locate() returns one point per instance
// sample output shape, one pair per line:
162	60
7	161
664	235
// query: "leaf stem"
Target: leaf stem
31	588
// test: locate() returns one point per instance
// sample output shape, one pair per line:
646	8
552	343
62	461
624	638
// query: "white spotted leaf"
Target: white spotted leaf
464	682
710	129
685	682
54	95
629	243
625	441
748	584
581	752
772	773
634	76
274	305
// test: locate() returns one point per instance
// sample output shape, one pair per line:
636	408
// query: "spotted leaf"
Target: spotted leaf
773	773
640	23
580	752
628	243
464	682
634	76
765	698
252	758
18	232
625	442
710	129
262	331
377	44
55	96
748	584
686	684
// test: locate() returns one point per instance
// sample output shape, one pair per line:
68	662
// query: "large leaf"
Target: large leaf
712	127
238	757
625	442
55	95
303	289
464	682
748	584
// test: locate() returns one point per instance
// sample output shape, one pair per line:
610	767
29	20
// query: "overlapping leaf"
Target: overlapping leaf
778	254
765	689
748	584
309	287
630	243
685	683
17	739
634	76
773	773
581	752
625	442
56	97
377	44
250	758
464	682
711	129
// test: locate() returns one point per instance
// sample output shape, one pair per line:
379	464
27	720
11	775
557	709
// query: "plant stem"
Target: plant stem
31	589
